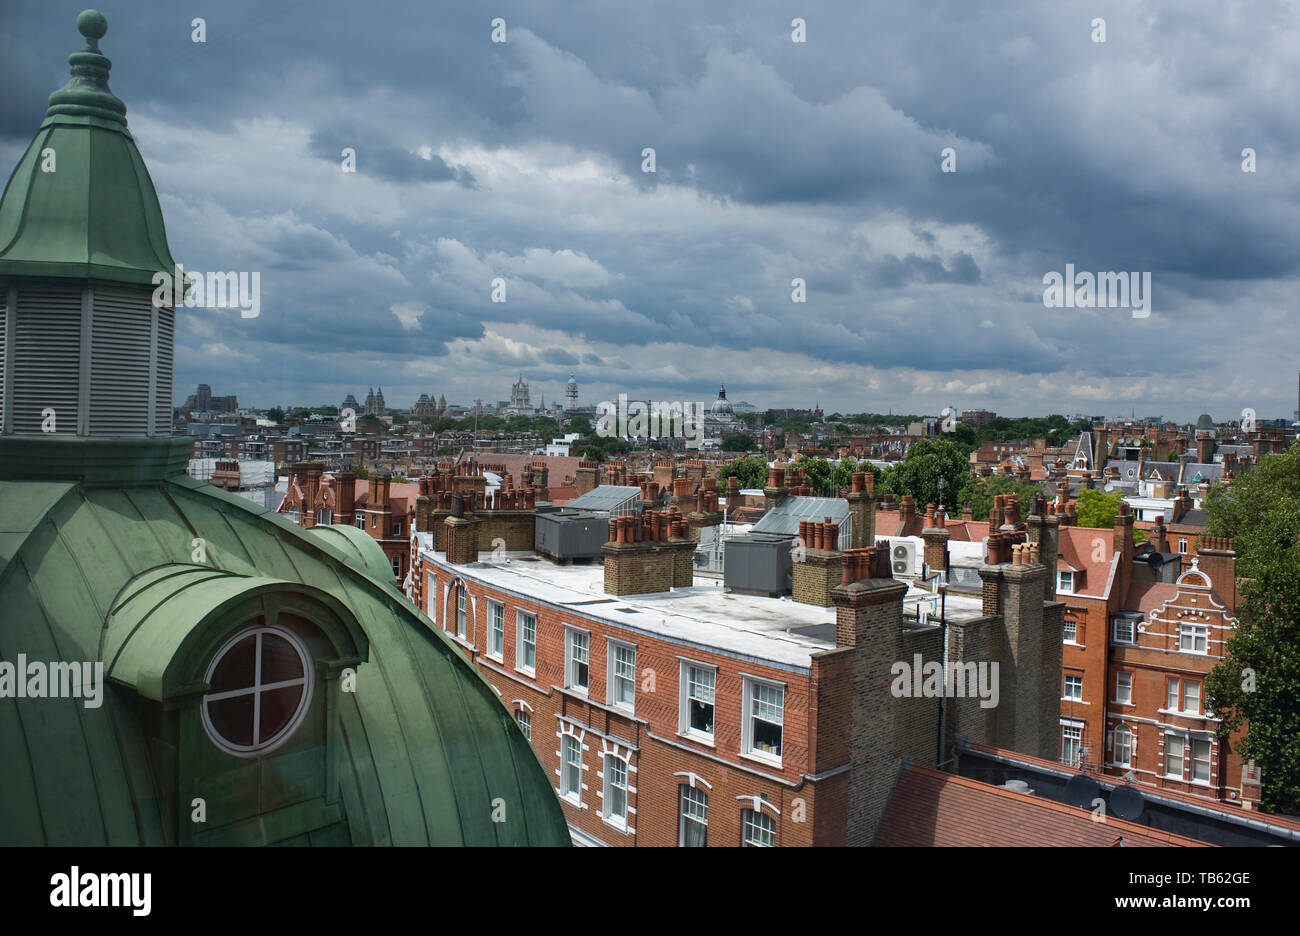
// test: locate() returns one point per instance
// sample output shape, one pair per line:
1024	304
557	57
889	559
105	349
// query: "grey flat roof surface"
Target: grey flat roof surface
606	497
778	631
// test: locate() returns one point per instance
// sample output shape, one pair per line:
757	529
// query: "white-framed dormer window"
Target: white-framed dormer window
1070	631
578	657
496	648
324	516
1124	688
1065	581
1192	637
1124	630
622	675
1182	545
1123	742
526	641
763	729
615	791
698	682
571	768
1074	687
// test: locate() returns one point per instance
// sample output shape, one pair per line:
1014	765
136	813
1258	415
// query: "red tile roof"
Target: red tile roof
1078	548
932	808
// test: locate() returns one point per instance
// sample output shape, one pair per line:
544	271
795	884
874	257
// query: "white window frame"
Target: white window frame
397	565
1073	680
1191	684
1129	623
749	686
618	764
576	638
460	609
496	650
359	517
294	514
1064	576
1170	738
684	702
1182	545
1123	746
1074	726
521	644
524	719
1208	760
1070	632
1173	694
757	819
570	743
686	792
1199	633
1124	688
613	678
324	516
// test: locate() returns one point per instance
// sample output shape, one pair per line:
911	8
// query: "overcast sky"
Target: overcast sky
775	160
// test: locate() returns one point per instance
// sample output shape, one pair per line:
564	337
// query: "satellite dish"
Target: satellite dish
1081	791
1127	803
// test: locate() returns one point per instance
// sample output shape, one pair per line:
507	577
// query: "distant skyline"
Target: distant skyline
774	160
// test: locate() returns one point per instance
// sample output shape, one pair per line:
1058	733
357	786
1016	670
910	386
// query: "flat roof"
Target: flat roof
775	631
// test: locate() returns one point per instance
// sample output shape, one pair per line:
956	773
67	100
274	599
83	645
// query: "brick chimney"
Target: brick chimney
586	475
906	514
1157	536
345	493
649	553
1124	545
461	532
1044	529
1217	558
707	513
733	492
1182	504
776	491
935	536
820	569
1204	447
869	627
862	510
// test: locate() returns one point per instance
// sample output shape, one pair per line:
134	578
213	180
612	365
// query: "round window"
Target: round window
261	683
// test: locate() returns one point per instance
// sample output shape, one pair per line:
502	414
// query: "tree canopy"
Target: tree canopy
1098	508
751	472
1258	682
927	463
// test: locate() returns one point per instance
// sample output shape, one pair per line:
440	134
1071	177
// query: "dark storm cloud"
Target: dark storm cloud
521	161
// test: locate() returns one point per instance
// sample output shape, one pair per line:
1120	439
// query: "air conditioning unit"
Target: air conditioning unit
902	557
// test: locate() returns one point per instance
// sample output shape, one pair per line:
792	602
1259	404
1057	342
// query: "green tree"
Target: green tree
816	473
842	476
1097	508
361	473
275	414
919	473
1257	684
751	472
737	442
980	492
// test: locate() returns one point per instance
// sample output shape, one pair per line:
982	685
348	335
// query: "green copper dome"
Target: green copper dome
80	203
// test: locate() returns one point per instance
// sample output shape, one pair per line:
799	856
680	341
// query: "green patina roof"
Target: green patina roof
97	568
96	215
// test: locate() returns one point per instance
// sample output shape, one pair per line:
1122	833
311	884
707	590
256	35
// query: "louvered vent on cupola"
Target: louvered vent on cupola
83	349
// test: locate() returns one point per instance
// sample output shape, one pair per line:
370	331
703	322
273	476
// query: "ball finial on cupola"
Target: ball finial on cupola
92	25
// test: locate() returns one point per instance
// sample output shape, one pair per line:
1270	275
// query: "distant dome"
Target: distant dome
721	407
572	380
1204	421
